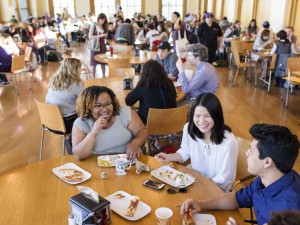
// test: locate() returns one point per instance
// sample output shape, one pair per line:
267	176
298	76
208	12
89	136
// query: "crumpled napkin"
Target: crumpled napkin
90	192
141	167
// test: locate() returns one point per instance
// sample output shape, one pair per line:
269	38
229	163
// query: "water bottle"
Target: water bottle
111	50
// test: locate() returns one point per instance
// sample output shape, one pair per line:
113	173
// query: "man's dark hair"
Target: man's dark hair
128	21
282	35
288	217
278	143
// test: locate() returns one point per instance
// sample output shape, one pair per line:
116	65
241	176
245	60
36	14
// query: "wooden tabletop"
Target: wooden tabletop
133	60
116	84
34	195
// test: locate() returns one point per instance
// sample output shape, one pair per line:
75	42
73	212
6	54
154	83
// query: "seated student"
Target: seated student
154	90
266	26
64	87
110	32
271	156
167	59
207	142
263	41
206	78
164	33
7	49
152	35
290	35
102	121
125	33
284	49
233	32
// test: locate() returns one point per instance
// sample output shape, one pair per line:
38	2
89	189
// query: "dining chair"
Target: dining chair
51	118
165	123
247	46
122	72
18	67
12	159
117	63
293	65
85	71
245	65
243	178
267	80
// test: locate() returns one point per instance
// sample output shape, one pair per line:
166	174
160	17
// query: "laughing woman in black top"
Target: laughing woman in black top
154	90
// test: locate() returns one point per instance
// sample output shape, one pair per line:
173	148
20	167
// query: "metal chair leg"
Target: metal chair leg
269	84
42	143
64	147
237	72
15	84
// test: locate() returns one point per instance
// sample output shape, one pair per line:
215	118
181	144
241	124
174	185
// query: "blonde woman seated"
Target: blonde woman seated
105	127
208	143
64	88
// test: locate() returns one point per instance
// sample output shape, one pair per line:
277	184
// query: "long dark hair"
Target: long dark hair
178	15
105	25
163	28
255	27
154	75
214	108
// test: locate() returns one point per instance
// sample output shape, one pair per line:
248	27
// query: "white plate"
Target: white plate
86	175
204	219
112	158
164	178
120	205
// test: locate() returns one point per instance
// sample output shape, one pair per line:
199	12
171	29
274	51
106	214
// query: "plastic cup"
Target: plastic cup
163	216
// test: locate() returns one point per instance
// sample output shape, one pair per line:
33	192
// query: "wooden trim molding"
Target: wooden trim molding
51	8
92	6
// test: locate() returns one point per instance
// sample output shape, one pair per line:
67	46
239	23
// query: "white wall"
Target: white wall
7	9
277	15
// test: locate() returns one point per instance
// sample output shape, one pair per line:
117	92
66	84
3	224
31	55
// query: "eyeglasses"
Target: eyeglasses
101	107
179	190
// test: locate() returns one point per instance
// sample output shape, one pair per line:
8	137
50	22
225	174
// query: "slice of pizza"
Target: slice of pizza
188	219
71	174
132	207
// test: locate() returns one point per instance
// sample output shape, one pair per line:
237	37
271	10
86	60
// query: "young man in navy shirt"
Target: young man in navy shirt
271	156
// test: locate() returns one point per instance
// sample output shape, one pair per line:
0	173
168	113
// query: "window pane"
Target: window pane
58	6
169	6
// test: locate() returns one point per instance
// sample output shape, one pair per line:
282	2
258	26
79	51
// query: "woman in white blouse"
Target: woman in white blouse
208	143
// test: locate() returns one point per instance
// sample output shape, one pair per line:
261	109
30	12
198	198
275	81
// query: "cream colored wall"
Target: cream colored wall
82	7
229	10
192	7
7	10
218	9
246	12
263	12
152	7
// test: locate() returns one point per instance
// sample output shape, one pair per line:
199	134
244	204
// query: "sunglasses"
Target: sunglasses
179	190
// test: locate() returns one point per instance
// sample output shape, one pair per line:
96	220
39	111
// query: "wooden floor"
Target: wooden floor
243	106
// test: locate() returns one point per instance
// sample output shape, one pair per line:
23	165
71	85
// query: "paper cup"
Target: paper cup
163	216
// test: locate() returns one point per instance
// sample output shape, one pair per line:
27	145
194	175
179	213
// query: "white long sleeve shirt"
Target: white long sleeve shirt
216	162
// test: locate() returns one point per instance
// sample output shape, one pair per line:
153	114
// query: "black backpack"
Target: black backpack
54	57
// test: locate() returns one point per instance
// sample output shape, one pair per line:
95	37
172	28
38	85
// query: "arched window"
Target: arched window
105	6
129	7
58	6
170	6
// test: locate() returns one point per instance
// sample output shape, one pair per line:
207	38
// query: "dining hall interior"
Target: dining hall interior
244	103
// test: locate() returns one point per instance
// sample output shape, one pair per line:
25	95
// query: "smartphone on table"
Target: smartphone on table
153	184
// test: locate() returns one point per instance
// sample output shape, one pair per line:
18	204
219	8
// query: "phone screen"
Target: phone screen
153	184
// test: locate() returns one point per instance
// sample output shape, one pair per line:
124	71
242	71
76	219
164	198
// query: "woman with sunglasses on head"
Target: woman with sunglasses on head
207	142
105	127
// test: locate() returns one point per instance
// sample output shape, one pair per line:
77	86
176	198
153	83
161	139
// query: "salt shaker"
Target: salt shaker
71	219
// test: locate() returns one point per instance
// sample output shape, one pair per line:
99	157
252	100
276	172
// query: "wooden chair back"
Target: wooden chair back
236	56
18	63
241	167
117	63
122	72
237	44
166	121
12	160
93	82
293	64
247	46
50	116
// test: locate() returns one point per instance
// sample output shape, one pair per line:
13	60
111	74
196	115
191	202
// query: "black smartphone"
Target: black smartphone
154	184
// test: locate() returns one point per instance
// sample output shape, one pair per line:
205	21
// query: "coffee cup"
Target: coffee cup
163	216
121	166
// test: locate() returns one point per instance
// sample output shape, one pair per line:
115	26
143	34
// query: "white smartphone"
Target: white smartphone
154	184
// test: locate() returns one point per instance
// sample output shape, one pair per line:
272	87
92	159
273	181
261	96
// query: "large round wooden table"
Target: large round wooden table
34	195
133	60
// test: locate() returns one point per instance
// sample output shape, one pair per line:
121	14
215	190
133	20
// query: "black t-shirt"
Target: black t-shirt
151	98
208	36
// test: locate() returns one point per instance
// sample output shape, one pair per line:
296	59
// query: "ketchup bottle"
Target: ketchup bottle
111	50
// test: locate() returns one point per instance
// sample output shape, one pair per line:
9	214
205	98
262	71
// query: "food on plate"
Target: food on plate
105	161
178	178
188	219
71	174
133	206
119	195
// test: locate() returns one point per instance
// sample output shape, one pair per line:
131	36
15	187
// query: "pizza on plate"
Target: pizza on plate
132	207
71	174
